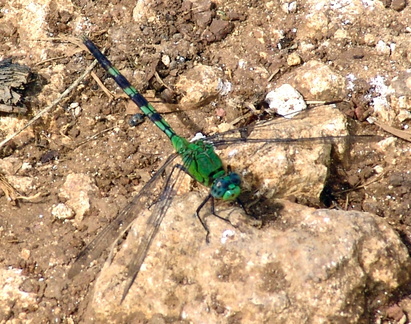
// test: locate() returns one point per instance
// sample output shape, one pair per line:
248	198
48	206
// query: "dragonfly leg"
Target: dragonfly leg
214	214
218	216
238	200
183	168
199	218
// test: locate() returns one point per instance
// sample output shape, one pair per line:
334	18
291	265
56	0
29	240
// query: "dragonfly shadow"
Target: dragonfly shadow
262	211
184	112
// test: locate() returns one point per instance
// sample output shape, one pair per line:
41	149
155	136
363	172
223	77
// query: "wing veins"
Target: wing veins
153	225
117	227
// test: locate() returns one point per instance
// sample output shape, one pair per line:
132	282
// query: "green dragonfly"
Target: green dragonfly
199	160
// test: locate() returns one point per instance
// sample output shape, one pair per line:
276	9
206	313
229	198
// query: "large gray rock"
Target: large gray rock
290	169
307	266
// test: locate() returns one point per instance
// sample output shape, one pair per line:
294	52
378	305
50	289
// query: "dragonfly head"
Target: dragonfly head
226	187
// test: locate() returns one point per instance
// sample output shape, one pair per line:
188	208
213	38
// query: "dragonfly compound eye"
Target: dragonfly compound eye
232	194
227	187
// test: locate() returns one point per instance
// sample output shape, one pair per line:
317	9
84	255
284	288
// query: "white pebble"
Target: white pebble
285	101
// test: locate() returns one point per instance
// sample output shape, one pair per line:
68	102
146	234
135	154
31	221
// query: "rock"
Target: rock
21	184
317	81
398	5
62	212
379	99
314	26
401	85
288	6
341	34
281	170
391	99
76	189
398	97
217	30
143	12
307	266
396	312
9	125
203	14
255	275
25	254
382	48
14	301
285	101
198	83
370	39
166	60
293	59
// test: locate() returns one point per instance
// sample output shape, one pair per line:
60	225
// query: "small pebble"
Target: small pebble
383	48
165	59
398	5
25	254
136	119
62	212
289	7
285	101
293	59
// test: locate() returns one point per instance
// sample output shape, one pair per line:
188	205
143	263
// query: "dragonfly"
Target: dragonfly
199	160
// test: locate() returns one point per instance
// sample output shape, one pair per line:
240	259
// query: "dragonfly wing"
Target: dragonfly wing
286	126
326	140
321	125
153	224
272	170
118	226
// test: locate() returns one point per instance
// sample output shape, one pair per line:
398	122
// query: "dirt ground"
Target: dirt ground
153	43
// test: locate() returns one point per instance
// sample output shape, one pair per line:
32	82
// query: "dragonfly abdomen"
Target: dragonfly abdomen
132	92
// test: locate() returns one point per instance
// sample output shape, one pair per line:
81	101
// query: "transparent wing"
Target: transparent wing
322	139
290	157
122	223
153	224
322	124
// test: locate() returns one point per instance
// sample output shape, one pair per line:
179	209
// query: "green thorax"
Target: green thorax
199	159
